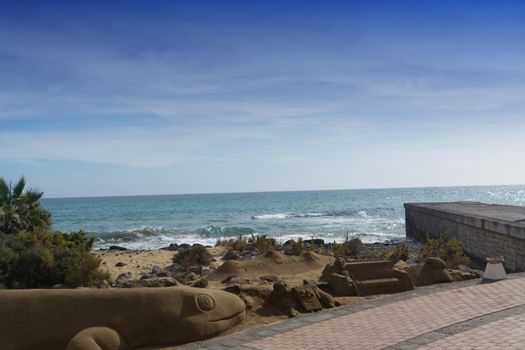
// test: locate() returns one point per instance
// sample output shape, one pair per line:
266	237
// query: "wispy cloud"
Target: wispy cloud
282	84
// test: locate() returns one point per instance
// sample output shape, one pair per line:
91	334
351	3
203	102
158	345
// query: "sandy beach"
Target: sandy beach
140	263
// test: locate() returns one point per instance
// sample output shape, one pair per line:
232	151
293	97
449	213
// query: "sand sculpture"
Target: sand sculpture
433	271
272	263
299	299
365	278
114	319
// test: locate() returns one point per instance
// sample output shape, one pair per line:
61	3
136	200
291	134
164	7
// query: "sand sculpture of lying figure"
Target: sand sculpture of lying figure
275	263
113	319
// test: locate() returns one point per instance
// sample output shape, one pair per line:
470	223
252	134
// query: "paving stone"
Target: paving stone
466	315
507	333
393	323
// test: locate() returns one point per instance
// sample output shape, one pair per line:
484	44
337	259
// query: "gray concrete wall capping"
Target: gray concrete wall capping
505	227
497	211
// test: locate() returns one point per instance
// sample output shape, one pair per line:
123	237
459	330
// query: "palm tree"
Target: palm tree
21	210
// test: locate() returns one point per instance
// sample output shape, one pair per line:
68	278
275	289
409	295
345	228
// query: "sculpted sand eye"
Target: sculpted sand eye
205	302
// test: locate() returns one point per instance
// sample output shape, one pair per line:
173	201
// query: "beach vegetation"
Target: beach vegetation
84	270
337	249
41	259
239	244
450	250
195	255
31	255
20	208
263	243
314	247
351	246
298	247
398	252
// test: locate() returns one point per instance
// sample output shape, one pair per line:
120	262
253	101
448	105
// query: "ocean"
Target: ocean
151	222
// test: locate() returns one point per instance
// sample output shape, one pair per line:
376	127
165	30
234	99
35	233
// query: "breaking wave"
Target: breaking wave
158	237
217	231
278	216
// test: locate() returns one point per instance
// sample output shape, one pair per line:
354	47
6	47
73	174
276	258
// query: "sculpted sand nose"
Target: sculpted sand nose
87	319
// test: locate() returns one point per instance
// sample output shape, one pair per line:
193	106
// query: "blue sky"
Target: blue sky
150	97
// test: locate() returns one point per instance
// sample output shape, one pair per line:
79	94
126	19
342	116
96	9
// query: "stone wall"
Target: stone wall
482	236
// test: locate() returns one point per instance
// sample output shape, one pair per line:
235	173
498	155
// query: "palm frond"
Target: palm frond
19	187
16	217
4	190
33	196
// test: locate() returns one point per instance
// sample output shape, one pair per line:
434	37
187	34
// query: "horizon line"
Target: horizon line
279	191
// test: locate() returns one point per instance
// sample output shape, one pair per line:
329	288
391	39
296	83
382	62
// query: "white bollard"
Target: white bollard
494	270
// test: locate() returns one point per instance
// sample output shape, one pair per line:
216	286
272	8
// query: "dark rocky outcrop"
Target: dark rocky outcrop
116	247
200	283
231	255
269	278
122	279
317	242
234	289
171	247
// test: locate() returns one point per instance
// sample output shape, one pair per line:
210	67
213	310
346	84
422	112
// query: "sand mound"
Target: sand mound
272	263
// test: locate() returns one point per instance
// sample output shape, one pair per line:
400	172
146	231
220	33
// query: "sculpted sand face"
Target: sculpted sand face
87	319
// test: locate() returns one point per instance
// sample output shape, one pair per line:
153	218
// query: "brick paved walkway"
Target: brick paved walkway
479	316
507	333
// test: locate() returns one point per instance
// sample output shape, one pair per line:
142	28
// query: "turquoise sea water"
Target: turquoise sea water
142	222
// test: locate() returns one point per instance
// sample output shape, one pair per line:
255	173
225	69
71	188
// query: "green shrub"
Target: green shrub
350	247
353	246
394	254
337	249
450	250
240	244
41	259
31	256
298	247
400	252
7	254
263	244
83	270
313	247
196	255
